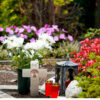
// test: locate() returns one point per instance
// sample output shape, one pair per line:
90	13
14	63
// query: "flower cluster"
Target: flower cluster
44	41
31	33
90	49
13	42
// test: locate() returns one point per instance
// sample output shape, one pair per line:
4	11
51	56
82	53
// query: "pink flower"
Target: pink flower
55	27
21	30
49	32
64	31
62	36
16	29
32	40
3	38
42	30
25	36
18	34
47	26
1	29
28	29
13	26
8	30
56	38
70	37
33	28
37	32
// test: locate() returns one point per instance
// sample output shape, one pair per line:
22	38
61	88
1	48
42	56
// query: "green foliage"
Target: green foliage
91	33
10	13
63	48
3	54
61	2
20	60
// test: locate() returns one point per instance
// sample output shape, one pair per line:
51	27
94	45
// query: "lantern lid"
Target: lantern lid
67	63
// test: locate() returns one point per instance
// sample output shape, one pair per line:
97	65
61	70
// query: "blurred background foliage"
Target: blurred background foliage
73	15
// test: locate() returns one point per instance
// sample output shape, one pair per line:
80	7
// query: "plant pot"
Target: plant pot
23	83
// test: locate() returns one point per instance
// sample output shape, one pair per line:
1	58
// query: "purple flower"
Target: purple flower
8	30
42	30
47	26
70	37
62	36
25	36
3	38
37	32
56	38
49	32
16	29
32	40
55	27
21	30
51	29
64	31
1	29
13	26
33	28
28	29
11	32
18	34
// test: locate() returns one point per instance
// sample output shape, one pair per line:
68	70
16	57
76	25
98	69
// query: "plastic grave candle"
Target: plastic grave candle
48	87
55	90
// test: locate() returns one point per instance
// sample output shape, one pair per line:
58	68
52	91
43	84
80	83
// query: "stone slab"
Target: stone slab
5	95
8	87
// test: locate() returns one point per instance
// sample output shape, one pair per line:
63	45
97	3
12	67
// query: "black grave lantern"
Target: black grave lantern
62	68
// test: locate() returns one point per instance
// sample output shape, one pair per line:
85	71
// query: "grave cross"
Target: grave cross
35	74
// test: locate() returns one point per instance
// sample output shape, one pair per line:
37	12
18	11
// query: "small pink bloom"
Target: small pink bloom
33	28
55	27
70	37
28	29
56	38
62	36
47	26
64	31
21	30
3	38
8	30
13	26
49	32
32	40
25	36
42	30
1	29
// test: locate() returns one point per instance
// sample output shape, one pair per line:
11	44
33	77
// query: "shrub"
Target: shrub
89	68
3	54
63	49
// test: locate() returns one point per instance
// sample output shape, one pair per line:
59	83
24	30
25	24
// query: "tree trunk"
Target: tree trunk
51	15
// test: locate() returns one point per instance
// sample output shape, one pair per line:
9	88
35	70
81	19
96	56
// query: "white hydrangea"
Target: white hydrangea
44	41
13	42
47	38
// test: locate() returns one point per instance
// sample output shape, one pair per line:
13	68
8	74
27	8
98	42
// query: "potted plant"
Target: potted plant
22	53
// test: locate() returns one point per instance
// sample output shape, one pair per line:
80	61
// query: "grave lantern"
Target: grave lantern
60	72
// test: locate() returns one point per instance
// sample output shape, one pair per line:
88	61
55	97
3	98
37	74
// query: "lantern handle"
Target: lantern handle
67	57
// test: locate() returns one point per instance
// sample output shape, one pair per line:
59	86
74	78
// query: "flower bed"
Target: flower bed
89	68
